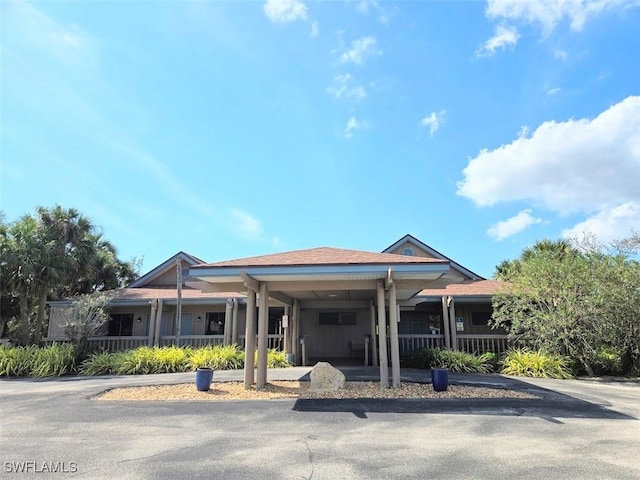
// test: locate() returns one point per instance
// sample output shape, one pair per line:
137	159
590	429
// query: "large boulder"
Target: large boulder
325	378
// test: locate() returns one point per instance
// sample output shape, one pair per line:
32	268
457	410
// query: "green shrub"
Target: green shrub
101	363
16	361
608	361
32	361
218	357
526	363
455	361
53	360
277	359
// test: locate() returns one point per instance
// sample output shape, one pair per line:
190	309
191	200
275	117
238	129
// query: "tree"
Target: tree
84	318
53	253
579	301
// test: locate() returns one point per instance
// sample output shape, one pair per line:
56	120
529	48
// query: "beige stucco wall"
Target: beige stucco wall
167	278
418	252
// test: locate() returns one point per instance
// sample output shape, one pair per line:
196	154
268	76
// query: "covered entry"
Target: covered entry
319	290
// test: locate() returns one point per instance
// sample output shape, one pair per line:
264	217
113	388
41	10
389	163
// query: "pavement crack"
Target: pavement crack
313	467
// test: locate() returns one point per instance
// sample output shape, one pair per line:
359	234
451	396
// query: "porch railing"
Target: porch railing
274	341
195	341
114	344
482	343
409	342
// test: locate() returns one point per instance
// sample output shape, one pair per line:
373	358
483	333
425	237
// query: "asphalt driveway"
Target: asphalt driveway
579	429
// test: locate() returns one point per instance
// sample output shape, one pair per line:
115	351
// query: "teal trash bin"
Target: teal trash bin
440	379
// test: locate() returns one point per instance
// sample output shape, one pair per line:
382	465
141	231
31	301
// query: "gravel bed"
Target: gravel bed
295	389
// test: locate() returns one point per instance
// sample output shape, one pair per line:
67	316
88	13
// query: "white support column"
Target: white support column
374	346
263	327
152	321
452	321
287	330
250	339
382	337
228	307
393	331
156	340
445	322
234	322
295	329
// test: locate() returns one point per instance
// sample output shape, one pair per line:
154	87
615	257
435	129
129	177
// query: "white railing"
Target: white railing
113	344
410	342
195	341
482	343
274	341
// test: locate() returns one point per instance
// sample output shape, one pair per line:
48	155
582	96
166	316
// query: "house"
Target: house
320	304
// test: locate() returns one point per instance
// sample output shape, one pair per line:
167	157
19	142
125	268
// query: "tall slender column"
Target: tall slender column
156	340
228	306
452	321
152	321
250	339
374	346
263	327
287	330
382	337
234	322
393	330
445	322
295	341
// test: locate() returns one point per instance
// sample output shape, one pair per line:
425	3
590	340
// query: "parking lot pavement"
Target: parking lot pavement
577	430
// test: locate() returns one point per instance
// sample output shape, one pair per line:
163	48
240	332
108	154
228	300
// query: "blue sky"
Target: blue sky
230	129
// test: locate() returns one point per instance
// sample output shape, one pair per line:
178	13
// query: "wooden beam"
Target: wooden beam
393	333
250	340
250	282
382	337
263	325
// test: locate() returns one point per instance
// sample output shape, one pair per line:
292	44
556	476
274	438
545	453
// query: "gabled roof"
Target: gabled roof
189	260
467	288
432	251
322	256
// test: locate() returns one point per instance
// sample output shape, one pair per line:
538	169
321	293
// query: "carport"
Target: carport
324	276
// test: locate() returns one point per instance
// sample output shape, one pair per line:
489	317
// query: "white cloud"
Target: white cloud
560	55
548	13
609	224
342	88
433	121
247	225
360	48
505	36
352	125
589	166
513	225
285	11
553	91
314	29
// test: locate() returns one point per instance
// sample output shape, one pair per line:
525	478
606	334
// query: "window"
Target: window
215	323
120	325
337	318
479	319
420	323
408	251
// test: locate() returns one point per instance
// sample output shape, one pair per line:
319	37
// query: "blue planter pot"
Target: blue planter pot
440	379
204	376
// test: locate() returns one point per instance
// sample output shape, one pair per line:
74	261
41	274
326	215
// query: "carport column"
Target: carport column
452	322
250	339
393	330
234	322
228	306
152	321
374	347
382	337
287	330
295	328
445	322
157	339
263	329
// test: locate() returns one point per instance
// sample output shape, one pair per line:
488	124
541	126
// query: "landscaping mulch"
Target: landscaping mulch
295	389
